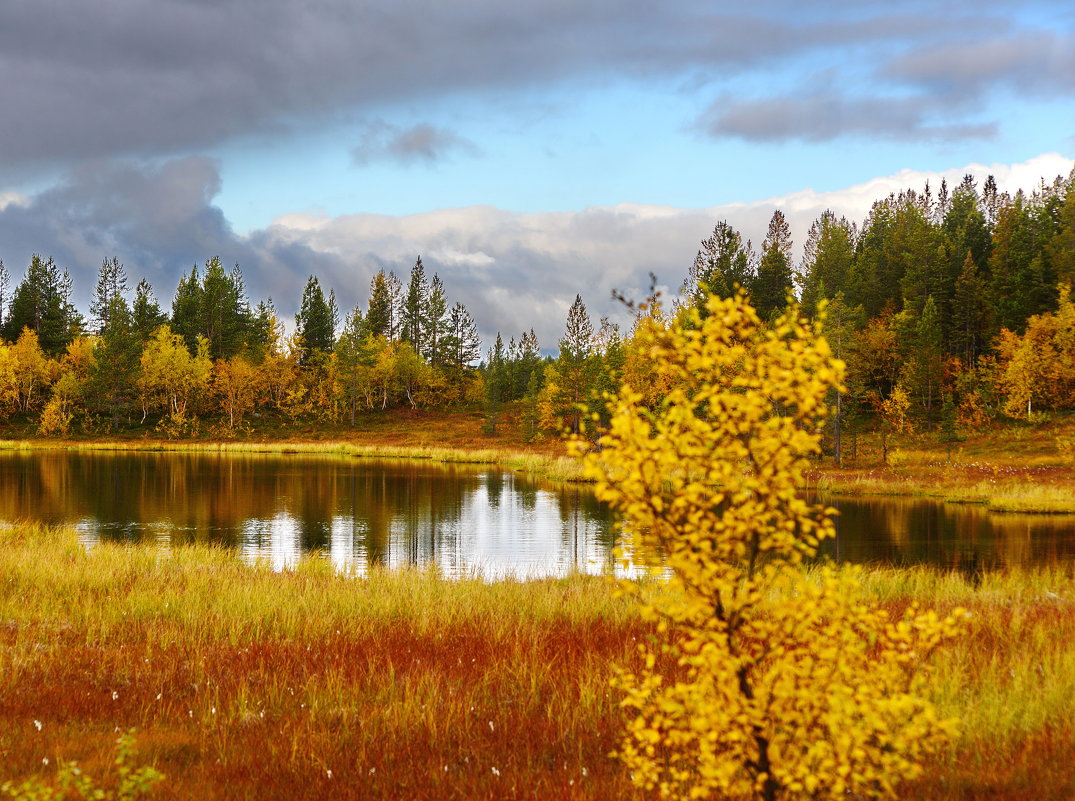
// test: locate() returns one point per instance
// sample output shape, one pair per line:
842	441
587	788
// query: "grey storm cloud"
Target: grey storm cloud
151	78
158	220
380	141
1042	62
822	117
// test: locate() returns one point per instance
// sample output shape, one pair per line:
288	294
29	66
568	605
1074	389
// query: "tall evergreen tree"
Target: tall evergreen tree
4	297
827	258
42	303
773	282
186	308
112	381
464	343
970	313
224	316
396	298
1014	266
111	284
1061	247
435	324
146	312
575	363
355	355
414	308
722	263
314	322
378	319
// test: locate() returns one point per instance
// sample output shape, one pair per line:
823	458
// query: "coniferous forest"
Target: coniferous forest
951	307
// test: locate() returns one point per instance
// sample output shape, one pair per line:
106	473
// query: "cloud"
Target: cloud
151	79
11	198
1042	62
157	219
824	117
379	140
513	271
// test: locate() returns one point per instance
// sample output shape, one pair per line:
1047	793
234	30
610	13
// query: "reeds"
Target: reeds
242	682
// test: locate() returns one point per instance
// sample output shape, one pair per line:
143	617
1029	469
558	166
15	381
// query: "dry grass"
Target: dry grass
245	683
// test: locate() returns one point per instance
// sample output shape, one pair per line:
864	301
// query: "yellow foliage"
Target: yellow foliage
794	687
1038	368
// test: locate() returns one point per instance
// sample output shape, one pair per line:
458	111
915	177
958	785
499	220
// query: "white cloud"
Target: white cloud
12	199
518	270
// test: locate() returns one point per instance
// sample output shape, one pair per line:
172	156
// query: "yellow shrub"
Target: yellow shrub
794	687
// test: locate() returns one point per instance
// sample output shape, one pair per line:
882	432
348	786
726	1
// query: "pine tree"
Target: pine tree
111	283
414	308
379	309
827	257
771	287
314	322
464	344
575	364
224	315
186	308
722	263
42	303
355	358
147	314
112	380
435	324
3	295
970	313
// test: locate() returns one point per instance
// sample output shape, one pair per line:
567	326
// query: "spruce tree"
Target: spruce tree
722	263
4	298
414	308
575	363
827	257
773	282
111	283
378	319
42	304
146	312
314	322
186	308
435	324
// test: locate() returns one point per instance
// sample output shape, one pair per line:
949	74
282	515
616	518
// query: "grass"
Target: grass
246	683
1009	467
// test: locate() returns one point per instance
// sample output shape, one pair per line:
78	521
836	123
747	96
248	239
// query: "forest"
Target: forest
951	308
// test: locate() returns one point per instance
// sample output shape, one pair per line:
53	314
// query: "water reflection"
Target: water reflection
968	538
362	512
359	512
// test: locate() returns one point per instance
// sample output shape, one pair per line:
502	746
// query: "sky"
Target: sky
526	151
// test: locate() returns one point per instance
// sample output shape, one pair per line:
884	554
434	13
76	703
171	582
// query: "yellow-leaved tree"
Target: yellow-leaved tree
790	685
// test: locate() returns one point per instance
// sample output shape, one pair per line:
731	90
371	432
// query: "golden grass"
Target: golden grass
248	683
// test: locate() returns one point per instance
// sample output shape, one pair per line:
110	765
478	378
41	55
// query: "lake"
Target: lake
462	518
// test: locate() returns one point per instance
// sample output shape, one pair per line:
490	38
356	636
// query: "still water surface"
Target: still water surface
359	512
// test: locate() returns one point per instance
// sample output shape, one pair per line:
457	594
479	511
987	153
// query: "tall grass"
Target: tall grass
247	683
551	465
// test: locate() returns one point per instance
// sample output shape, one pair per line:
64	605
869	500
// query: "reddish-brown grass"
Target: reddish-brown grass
247	684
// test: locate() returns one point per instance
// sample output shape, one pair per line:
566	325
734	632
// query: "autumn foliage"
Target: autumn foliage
792	685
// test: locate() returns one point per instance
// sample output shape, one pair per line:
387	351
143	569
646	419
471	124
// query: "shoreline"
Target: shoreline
1041	485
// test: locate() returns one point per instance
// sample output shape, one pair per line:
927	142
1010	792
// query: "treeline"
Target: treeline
218	355
950	308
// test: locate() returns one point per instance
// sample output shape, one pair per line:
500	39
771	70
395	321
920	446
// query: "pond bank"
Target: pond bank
1003	482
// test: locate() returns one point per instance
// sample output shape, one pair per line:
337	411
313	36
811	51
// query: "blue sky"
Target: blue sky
525	151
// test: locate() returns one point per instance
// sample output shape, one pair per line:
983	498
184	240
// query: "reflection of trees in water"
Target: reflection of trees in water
382	512
966	538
